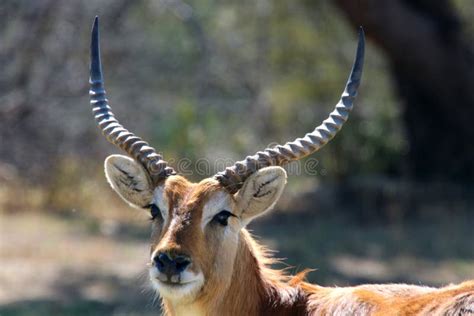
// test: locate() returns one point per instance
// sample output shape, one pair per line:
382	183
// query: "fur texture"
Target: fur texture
231	274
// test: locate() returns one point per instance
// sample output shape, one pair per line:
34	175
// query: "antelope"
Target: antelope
203	261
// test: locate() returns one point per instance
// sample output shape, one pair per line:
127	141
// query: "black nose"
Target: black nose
171	264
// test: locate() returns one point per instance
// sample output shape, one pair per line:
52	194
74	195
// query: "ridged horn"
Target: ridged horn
115	133
232	178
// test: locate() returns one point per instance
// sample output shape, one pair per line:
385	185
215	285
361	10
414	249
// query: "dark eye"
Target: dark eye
154	211
222	217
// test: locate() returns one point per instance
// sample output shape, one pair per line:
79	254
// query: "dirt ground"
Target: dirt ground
71	265
53	265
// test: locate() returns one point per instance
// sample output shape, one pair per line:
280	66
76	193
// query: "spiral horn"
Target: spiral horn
111	128
232	178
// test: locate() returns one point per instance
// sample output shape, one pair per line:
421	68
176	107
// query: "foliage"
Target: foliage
199	80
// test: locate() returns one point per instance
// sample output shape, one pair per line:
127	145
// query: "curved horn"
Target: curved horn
115	133
233	177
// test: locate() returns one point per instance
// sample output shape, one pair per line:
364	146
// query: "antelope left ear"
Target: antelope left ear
260	192
129	179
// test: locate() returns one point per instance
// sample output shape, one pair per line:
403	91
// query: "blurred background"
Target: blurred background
391	199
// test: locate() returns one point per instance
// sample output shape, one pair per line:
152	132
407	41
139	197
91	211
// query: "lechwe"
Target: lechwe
203	260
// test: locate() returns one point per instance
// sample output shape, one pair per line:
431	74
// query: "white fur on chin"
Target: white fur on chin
184	293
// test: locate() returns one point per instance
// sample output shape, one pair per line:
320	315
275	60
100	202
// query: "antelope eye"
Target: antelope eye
222	217
154	211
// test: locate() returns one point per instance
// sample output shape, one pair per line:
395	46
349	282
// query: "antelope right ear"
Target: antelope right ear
129	179
260	192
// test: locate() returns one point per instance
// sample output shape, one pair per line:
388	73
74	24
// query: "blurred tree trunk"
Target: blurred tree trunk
433	68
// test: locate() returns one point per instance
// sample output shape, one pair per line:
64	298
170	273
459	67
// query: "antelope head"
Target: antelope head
198	228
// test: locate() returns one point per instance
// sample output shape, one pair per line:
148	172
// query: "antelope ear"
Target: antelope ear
129	179
260	192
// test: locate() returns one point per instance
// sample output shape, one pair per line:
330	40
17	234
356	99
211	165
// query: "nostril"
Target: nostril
162	261
171	264
181	263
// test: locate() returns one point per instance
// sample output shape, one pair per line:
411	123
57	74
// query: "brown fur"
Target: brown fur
256	289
